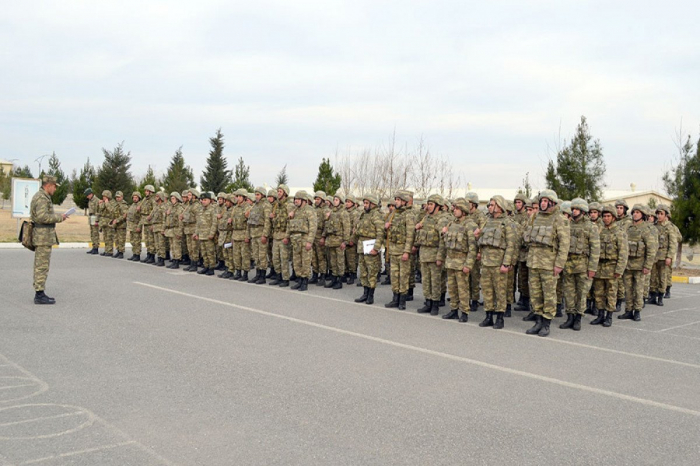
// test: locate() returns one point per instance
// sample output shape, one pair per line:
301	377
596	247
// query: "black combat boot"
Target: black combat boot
41	298
185	259
637	316
261	279
271	273
209	272
409	296
463	317
507	313
435	308
577	322
569	321
499	324
618	305
544	331
145	259
254	278
152	259
488	320
351	278
200	262
402	302
283	283
531	317
104	253
89	251
293	276
652	298
537	327
473	305
330	283
236	276
276	280
219	266
427	307
160	263
364	296
590	306
659	299
608	319
203	271
419	276
387	279
453	314
304	284
524	306
226	275
337	284
175	264
558	314
344	278
441	303
314	278
394	301
244	276
627	315
520	301
297	284
321	280
135	258
668	293
370	296
600	319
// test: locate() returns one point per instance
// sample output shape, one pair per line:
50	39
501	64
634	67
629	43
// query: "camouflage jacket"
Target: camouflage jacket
458	245
44	219
206	223
584	248
147	205
320	219
158	218
303	223
370	226
497	241
133	217
279	217
239	222
642	246
190	212
401	232
654	232
614	252
93	208
428	236
354	217
223	226
173	225
549	238
336	227
121	208
259	223
106	213
668	242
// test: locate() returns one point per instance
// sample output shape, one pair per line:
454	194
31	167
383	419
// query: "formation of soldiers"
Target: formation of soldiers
562	257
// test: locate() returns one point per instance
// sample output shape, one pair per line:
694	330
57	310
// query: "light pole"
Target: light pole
39	159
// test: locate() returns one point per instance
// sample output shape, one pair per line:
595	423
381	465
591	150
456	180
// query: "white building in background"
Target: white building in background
6	166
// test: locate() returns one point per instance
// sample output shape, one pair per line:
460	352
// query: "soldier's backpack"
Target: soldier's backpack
25	235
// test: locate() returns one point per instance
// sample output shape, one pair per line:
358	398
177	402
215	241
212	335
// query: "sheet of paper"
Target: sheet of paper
70	211
228	245
368	245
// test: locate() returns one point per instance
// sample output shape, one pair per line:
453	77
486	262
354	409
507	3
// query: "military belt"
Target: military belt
44	225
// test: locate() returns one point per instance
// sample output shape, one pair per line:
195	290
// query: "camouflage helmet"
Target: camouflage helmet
149	187
472	197
309	198
136	193
340	196
372	198
640	208
328	198
205	195
403	195
436	199
597	206
448	203
320	194
509	206
566	207
351	198
284	188
580	204
549	194
500	202
176	195
240	192
250	196
118	194
301	194
462	204
221	195
161	195
107	193
408	193
534	202
272	193
261	190
622	203
195	192
521	197
185	192
663	208
610	209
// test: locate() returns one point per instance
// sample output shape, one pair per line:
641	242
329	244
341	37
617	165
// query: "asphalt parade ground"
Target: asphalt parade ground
137	364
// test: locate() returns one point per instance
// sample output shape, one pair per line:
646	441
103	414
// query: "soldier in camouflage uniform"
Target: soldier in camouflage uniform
205	234
479	218
498	246
93	207
679	242
399	244
351	255
511	279
594	210
428	233
654	232
370	227
521	217
106	215
44	235
301	230
157	226
614	252
239	235
119	223
388	217
413	258
271	199
259	230
133	224
642	252
319	263
549	239
336	235
191	212
668	243
279	217
145	208
173	228
581	264
224	228
220	210
624	221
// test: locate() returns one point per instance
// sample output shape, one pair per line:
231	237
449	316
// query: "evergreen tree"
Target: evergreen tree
282	176
241	177
326	180
216	177
149	178
55	170
115	174
85	180
527	187
24	172
580	168
5	186
683	184
179	176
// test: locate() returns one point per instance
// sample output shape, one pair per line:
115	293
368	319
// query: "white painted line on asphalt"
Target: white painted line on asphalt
79	452
507	370
680	326
57	416
7	387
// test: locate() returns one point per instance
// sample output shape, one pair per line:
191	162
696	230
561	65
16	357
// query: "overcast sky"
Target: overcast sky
487	84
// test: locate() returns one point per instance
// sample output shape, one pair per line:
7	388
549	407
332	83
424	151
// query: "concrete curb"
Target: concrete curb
689	280
59	246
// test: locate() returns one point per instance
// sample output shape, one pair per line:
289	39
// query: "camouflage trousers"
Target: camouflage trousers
459	287
560	291
605	292
369	269
319	262
443	279
351	259
543	292
109	236
659	276
413	259
120	233
523	286
494	286
42	260
241	259
432	280
647	284
208	250
135	240
510	291
280	258
95	236
176	247
336	260
161	243
149	239
634	289
301	258
192	247
475	278
621	289
576	287
259	253
400	273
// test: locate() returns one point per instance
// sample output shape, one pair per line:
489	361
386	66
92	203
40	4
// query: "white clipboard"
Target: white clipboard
368	245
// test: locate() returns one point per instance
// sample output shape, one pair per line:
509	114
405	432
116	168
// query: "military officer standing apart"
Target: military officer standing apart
93	207
301	230
581	265
119	223
497	244
44	235
336	234
370	227
614	252
642	252
133	224
259	228
668	243
549	239
400	233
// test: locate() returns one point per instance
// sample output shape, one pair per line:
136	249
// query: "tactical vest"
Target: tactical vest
257	214
541	232
397	232
637	247
579	238
299	224
279	223
608	248
429	235
132	213
494	234
455	236
239	221
365	226
663	237
334	224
